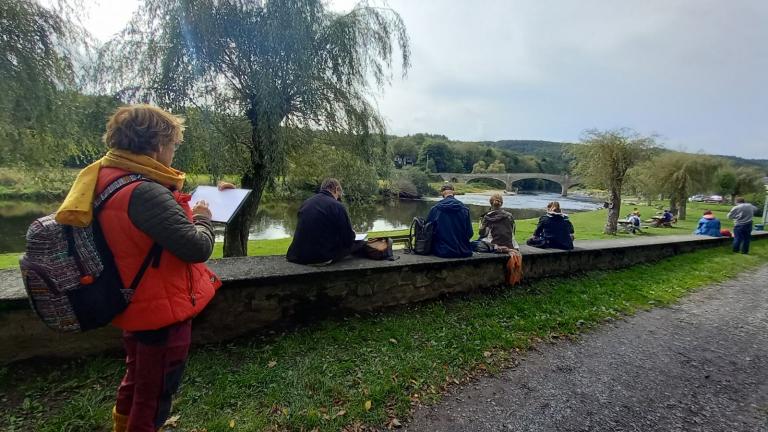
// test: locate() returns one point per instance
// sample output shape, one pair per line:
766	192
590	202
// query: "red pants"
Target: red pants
155	363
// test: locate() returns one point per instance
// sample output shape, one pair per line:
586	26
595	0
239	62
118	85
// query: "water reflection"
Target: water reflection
15	217
277	220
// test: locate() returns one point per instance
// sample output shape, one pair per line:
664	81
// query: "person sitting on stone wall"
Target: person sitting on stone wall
324	231
497	229
554	230
709	225
453	228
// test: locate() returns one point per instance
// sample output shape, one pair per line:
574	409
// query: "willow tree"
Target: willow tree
680	175
285	65
39	46
603	159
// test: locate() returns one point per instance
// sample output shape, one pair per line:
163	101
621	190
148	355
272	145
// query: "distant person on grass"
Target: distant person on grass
497	229
324	232
554	230
145	219
709	225
667	216
742	215
453	227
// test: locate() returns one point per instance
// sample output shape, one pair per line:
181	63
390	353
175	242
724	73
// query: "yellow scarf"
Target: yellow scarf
77	208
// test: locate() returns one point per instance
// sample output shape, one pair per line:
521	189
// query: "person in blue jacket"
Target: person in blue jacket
709	225
453	227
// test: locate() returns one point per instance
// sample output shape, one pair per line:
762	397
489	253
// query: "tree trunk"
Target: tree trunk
614	210
236	234
681	214
673	204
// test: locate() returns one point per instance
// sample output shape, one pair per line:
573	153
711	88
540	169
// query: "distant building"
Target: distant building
402	161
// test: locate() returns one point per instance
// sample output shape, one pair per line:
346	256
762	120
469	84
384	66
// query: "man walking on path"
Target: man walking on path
742	215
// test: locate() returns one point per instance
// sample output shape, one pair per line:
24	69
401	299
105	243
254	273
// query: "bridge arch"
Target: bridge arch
564	180
542	184
499	179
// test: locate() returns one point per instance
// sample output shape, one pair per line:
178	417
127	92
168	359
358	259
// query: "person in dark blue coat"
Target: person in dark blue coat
324	232
554	230
453	227
709	225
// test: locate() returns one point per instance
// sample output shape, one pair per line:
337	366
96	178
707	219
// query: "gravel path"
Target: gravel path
700	365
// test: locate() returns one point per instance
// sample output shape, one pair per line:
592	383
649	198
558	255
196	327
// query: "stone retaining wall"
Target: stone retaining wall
261	291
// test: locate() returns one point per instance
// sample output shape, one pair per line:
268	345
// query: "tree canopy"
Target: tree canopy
288	66
42	114
603	159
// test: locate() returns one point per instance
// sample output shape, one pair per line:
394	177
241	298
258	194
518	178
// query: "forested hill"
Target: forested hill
548	149
555	151
761	164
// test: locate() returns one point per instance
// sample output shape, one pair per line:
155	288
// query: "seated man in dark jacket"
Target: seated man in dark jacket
453	228
324	232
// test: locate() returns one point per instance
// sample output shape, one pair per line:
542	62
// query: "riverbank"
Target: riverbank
368	370
588	225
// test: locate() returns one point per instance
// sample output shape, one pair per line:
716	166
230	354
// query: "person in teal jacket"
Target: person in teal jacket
709	225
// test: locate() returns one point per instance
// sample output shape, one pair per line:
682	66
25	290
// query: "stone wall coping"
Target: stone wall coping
267	268
259	292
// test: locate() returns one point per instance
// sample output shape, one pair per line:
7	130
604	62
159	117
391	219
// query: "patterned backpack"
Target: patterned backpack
69	272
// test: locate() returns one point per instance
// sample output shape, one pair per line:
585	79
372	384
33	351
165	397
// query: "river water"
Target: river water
277	220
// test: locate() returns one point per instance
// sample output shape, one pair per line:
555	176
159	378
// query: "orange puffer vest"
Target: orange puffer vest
174	291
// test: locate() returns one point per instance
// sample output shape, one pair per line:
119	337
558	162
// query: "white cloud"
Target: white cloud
692	70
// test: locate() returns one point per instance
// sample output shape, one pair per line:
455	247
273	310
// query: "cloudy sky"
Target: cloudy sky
693	71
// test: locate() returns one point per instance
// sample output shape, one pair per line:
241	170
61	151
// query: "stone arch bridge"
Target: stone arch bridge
564	180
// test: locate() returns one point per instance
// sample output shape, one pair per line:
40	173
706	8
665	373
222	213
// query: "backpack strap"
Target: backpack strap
115	187
153	257
411	233
155	251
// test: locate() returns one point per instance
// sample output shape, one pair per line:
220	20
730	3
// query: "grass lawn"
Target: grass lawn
588	225
362	369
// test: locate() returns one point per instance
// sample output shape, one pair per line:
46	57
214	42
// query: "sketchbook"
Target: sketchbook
223	204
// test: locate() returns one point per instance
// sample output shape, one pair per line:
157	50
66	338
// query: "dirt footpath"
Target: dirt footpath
700	365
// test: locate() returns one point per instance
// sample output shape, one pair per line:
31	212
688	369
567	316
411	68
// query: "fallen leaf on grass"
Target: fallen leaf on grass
355	427
340	413
393	423
172	421
231	424
272	364
367	405
393	340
